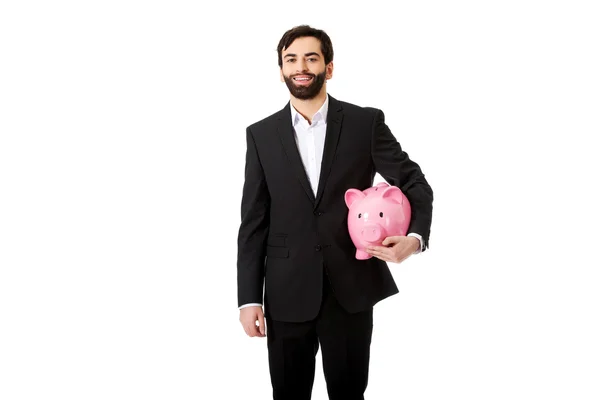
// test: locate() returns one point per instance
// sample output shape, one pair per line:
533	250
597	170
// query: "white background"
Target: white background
122	143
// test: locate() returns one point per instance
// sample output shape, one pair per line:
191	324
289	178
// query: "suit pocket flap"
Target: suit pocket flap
281	252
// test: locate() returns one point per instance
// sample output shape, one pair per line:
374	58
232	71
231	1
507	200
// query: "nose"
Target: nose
372	233
301	66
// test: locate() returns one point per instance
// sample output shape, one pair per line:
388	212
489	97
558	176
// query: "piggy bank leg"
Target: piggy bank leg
362	255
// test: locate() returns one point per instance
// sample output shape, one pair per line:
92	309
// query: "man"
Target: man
294	235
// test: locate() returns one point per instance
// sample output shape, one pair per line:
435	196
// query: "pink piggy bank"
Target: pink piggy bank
374	214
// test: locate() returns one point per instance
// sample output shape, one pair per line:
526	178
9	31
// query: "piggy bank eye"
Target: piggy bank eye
359	215
381	214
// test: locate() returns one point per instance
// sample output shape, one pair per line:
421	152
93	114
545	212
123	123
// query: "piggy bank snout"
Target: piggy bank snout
372	233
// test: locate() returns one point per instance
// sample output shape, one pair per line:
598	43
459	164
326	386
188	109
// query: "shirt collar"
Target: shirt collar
320	115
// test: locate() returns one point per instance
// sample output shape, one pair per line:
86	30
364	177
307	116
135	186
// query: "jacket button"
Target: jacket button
318	247
319	213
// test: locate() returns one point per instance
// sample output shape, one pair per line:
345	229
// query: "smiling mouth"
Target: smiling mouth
302	79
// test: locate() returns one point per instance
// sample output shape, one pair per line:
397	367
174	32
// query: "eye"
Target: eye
381	214
291	59
359	215
312	59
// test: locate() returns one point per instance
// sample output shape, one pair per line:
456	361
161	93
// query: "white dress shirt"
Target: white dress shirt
310	139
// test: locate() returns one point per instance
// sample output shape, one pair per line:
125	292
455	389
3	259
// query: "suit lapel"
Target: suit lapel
332	135
285	132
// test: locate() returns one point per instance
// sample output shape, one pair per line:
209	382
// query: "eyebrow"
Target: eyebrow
305	54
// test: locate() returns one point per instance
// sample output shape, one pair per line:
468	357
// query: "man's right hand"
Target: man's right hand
249	316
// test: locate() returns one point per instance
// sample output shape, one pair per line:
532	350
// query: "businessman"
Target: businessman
295	255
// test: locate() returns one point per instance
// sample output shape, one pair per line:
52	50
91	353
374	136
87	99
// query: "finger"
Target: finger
261	324
381	255
250	330
391	240
378	248
256	330
382	251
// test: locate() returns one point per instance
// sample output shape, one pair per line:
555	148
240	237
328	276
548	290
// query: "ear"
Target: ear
281	75
329	70
394	194
352	195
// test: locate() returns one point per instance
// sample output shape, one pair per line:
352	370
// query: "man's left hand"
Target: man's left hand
395	248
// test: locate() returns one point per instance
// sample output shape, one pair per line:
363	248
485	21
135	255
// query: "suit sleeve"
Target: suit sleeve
253	229
394	165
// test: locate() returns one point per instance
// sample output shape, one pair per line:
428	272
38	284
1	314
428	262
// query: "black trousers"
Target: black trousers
345	341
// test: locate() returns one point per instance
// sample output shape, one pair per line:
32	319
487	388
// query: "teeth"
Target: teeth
301	79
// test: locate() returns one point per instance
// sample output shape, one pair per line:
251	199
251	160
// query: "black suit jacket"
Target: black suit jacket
288	235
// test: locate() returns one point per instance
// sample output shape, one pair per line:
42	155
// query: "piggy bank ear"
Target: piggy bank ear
352	195
394	194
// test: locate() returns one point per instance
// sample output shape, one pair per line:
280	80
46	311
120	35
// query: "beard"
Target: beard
309	91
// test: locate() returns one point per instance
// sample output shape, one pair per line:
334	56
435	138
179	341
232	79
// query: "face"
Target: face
304	70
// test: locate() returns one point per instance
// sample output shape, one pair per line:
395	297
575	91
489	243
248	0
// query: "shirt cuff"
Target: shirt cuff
420	249
250	304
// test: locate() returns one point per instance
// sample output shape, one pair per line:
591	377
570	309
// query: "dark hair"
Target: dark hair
303	31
